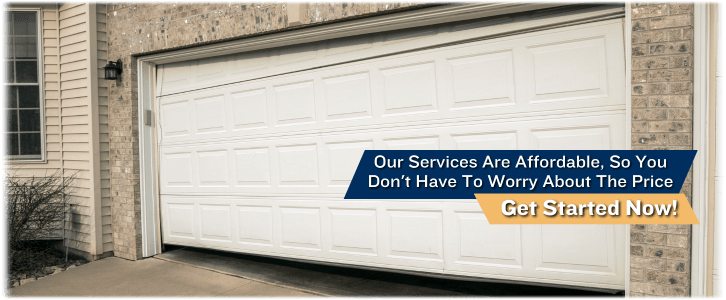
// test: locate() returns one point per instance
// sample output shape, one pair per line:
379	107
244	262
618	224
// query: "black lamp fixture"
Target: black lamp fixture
112	70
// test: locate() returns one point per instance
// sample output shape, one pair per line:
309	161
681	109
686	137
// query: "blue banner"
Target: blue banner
459	174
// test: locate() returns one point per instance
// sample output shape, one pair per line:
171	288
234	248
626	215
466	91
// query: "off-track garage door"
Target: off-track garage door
257	149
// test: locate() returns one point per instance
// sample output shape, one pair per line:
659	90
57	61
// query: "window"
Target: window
23	131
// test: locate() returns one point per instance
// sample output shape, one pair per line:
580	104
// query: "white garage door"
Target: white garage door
256	150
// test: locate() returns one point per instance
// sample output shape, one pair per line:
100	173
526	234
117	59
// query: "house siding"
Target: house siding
73	101
103	129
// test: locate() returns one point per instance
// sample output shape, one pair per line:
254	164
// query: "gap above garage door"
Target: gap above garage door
256	150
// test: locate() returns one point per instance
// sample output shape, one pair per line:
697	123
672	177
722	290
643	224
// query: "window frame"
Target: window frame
11	159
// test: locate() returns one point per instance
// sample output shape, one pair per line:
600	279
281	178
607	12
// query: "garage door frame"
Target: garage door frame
148	152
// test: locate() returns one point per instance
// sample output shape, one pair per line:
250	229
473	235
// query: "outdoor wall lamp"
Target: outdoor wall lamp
112	70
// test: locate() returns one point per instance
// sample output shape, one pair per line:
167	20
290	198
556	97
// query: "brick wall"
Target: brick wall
142	28
662	80
662	117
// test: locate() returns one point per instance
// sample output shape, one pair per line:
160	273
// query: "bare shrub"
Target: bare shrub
34	209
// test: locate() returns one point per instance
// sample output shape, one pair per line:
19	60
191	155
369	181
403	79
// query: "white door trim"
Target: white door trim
701	65
151	241
150	236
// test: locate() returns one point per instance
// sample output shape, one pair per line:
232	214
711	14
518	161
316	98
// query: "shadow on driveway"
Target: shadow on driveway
343	281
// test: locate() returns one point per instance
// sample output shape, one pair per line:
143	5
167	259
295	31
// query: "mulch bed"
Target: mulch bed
37	260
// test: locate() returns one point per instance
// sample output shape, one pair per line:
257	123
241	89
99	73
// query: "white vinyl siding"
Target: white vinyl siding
76	118
103	128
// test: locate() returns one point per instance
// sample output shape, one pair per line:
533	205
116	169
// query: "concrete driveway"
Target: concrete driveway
201	272
149	277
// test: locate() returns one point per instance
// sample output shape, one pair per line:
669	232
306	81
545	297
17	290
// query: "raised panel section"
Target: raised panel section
350	44
215	221
596	138
410	89
483	80
251	61
416	235
486	141
297	53
298	165
252	167
295	103
211	68
347	96
178	169
210	114
353	231
255	225
301	228
569	69
480	243
581	249
175	118
177	74
343	159
212	168
424	143
249	109
181	220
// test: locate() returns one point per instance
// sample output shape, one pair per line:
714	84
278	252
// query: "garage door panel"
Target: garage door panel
347	96
413	143
295	103
175	118
569	70
573	138
415	234
254	225
178	75
342	160
398	234
485	141
180	220
288	55
482	80
591	252
410	88
216	223
479	244
209	114
312	165
298	165
249	109
250	61
212	168
213	68
353	231
301	228
464	81
177	170
261	166
252	167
